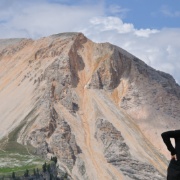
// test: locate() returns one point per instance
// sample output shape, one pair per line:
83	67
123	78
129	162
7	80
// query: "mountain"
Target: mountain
96	107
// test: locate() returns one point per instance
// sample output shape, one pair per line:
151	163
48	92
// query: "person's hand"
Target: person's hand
174	157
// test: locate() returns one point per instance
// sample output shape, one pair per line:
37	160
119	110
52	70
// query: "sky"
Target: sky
149	30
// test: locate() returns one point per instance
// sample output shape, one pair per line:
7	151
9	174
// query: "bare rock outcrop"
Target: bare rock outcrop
117	153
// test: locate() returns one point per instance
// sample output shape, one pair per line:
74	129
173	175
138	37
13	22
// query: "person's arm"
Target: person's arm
166	138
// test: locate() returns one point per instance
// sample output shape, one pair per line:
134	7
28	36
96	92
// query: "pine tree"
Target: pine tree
34	171
13	175
26	173
54	159
44	167
48	168
37	172
51	177
65	175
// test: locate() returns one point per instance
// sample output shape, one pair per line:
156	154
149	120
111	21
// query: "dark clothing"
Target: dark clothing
173	172
166	138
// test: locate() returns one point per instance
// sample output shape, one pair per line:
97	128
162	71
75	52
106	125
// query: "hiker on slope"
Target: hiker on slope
173	171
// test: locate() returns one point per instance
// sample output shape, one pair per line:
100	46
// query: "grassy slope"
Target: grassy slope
19	157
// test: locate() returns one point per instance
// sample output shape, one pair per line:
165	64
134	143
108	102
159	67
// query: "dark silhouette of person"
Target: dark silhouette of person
173	171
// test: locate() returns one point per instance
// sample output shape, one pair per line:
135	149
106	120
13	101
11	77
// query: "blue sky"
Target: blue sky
142	13
150	14
148	29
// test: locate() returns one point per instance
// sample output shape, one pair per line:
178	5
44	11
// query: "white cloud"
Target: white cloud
145	32
111	23
167	12
158	48
116	9
42	18
115	23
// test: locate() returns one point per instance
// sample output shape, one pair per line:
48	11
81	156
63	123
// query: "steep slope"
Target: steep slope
96	107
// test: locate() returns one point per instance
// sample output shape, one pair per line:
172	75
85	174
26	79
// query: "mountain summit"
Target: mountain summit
96	107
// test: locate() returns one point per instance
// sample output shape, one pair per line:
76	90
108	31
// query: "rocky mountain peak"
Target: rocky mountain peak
97	108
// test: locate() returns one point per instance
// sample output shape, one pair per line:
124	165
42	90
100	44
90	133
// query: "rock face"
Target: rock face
117	153
97	108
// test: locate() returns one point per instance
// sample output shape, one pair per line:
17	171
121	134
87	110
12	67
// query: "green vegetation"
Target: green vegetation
19	163
13	175
15	157
65	175
54	159
44	167
28	171
10	144
17	160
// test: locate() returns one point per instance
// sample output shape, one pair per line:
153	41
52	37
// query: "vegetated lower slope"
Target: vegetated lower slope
94	106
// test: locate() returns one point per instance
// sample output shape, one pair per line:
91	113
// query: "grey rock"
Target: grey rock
117	153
